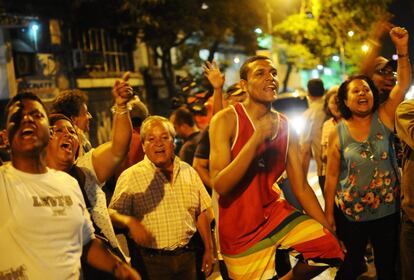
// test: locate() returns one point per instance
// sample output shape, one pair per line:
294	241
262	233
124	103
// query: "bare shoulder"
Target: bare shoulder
223	127
226	117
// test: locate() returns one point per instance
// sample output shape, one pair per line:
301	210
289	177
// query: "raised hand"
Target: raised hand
122	91
213	74
399	36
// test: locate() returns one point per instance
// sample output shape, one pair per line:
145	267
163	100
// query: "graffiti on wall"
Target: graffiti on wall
37	74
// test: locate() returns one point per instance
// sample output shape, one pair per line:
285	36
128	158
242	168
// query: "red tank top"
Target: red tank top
244	215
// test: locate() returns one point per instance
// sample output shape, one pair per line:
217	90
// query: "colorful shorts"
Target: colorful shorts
306	239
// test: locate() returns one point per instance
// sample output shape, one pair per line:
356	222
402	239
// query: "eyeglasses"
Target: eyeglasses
59	130
386	72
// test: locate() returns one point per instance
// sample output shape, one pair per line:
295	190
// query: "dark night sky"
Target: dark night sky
403	11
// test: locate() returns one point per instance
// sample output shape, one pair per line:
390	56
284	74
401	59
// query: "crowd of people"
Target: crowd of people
63	203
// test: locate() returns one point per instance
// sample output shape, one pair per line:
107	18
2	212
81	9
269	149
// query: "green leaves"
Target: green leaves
312	40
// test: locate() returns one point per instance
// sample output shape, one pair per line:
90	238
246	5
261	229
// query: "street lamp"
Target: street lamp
258	31
365	48
34	27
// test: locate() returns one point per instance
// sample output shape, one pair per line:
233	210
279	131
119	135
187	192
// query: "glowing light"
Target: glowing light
236	60
315	73
203	54
295	93
204	6
351	33
395	56
298	123
365	48
258	30
336	58
327	71
35	27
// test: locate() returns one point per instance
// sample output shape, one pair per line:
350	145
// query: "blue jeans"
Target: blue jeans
407	247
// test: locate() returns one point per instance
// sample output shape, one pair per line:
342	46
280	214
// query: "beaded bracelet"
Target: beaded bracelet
121	110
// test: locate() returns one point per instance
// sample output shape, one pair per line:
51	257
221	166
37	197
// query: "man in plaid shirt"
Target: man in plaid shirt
165	202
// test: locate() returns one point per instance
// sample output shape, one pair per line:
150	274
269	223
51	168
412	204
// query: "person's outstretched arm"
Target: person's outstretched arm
381	28
300	186
107	156
216	79
399	36
332	176
203	227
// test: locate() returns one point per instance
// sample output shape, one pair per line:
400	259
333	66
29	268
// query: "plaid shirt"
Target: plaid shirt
168	211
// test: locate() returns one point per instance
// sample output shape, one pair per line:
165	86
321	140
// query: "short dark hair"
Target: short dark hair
343	90
183	116
20	97
69	102
316	88
244	69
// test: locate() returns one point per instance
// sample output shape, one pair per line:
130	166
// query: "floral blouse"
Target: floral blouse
368	186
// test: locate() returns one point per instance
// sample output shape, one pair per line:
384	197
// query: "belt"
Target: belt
164	252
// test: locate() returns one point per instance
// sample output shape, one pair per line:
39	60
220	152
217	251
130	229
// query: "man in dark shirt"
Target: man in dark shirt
187	129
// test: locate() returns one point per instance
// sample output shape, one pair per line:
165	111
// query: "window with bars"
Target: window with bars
97	49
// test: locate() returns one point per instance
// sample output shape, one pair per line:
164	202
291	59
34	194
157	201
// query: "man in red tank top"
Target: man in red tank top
251	146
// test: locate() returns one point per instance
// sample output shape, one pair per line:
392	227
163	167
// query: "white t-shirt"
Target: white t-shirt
44	224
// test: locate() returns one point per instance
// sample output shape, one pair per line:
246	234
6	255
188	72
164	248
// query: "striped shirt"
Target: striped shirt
168	211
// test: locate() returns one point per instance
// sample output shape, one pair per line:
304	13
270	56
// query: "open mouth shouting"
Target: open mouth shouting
363	101
28	132
67	146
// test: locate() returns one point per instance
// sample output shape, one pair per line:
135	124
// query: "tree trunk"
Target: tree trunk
287	76
167	71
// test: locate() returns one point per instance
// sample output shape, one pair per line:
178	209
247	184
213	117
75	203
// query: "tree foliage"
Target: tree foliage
163	25
312	36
